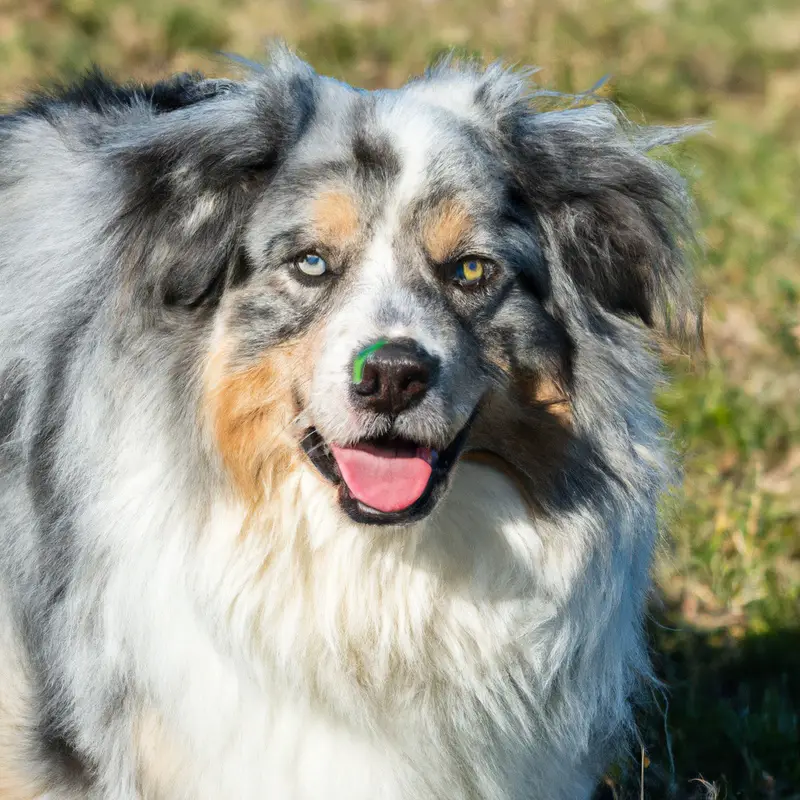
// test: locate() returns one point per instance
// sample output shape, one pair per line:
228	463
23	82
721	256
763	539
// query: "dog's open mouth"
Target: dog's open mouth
388	480
387	477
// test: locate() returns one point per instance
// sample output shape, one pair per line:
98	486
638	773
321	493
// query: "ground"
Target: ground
725	622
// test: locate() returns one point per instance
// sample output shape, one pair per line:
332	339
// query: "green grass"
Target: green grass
726	622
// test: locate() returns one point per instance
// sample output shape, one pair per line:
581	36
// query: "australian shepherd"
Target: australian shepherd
329	461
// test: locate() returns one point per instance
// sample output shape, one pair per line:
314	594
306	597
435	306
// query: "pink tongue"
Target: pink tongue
383	479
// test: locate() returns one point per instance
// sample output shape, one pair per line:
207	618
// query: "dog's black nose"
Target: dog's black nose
391	377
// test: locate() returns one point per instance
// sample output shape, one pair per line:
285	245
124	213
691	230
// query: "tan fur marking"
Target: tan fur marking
525	433
335	218
545	392
445	229
251	413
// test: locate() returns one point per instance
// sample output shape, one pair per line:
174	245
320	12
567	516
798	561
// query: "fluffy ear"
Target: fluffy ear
617	224
188	163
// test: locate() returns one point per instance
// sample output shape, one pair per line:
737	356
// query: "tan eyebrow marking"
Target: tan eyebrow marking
335	217
445	229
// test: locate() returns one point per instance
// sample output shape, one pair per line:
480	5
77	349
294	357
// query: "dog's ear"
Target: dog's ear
189	165
617	225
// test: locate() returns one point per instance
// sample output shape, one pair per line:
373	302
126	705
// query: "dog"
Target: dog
330	462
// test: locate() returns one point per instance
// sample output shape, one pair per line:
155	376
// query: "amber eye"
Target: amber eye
470	271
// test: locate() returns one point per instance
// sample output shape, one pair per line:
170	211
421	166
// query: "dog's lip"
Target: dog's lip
319	454
442	460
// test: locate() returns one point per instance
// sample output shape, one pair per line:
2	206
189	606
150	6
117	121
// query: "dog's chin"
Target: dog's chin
441	463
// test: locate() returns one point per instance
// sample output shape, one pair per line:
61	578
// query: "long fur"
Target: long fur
185	610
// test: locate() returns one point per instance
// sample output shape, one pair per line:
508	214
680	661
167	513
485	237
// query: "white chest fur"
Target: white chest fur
312	659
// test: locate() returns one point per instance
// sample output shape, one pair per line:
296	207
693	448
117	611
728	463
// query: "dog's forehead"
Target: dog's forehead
417	144
459	97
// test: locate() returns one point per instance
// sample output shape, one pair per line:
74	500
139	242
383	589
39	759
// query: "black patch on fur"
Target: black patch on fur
69	766
96	92
207	297
617	220
224	158
13	386
54	509
281	247
51	507
241	268
521	243
375	157
299	97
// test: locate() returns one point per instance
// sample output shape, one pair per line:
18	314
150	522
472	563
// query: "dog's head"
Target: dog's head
385	281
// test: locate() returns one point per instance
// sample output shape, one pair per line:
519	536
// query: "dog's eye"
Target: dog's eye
470	271
312	264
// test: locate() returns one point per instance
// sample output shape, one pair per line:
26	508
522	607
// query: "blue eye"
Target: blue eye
312	264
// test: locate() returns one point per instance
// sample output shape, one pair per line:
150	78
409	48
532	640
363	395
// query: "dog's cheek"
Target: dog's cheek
525	430
250	412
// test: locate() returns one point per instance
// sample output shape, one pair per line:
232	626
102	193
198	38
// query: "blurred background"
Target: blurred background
725	623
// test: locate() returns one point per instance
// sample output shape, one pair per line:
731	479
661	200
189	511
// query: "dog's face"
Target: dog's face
391	287
401	276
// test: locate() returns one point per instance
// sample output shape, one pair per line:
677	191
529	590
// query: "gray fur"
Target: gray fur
114	276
